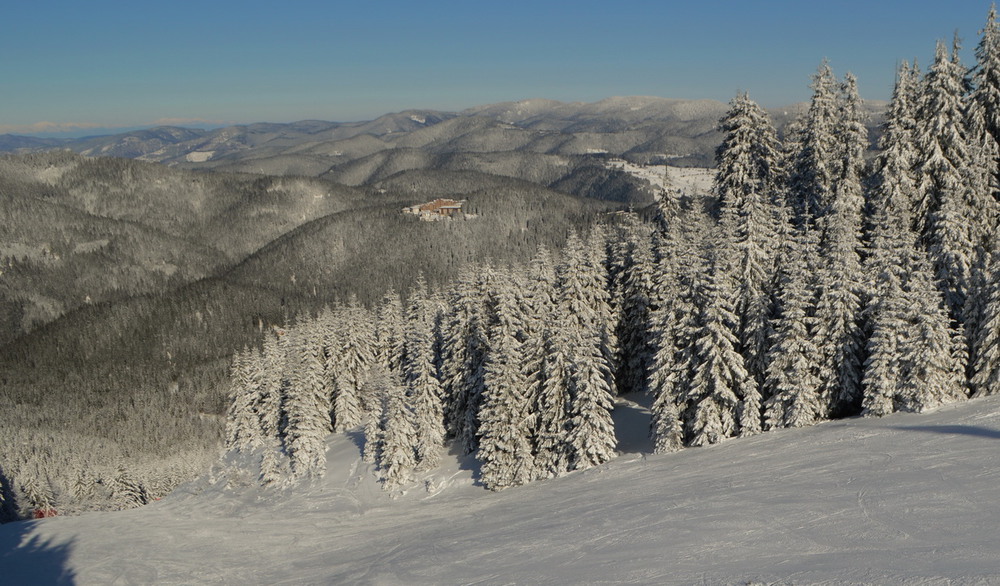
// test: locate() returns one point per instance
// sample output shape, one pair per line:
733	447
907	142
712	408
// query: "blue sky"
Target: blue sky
82	66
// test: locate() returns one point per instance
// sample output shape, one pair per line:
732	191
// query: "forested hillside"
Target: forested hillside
822	283
821	279
147	366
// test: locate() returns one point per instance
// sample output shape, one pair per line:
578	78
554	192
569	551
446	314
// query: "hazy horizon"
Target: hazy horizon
80	70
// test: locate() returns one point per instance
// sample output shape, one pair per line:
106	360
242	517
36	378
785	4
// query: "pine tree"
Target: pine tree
814	168
463	347
507	426
397	458
720	382
634	284
746	179
308	405
351	352
423	389
985	378
793	360
946	212
242	427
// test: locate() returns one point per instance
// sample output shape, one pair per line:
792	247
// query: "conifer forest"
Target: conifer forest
822	283
833	272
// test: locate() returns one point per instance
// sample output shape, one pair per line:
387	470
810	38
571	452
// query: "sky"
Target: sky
79	67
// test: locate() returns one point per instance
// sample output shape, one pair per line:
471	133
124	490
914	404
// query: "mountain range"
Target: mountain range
640	129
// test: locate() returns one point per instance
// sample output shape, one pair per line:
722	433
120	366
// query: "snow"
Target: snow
690	180
904	499
199	156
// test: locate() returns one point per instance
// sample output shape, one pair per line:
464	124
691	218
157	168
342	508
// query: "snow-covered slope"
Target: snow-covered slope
909	499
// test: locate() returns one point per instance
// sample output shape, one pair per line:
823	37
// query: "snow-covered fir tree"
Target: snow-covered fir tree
423	389
242	423
596	288
463	347
983	116
307	404
985	378
675	329
814	167
507	417
936	352
745	183
389	332
350	354
720	386
632	294
944	214
793	360
397	458
583	319
547	400
839	337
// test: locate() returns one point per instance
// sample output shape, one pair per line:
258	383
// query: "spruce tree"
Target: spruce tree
722	393
745	182
539	327
985	379
423	389
584	324
634	284
389	333
814	168
270	399
307	405
506	417
946	213
351	352
463	347
242	427
793	360
397	458
675	331
838	310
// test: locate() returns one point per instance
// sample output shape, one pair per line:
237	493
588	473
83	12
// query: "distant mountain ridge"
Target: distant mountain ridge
640	128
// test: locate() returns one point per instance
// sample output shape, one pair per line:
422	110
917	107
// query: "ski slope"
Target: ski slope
908	499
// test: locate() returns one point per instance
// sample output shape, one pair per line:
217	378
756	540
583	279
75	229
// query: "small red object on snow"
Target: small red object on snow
43	513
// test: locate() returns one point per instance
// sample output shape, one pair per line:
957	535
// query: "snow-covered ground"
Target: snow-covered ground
689	180
908	499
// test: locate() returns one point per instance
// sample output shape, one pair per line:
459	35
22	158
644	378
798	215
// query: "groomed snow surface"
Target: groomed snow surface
908	499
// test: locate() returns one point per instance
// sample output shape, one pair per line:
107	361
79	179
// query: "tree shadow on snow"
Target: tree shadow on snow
467	462
954	430
632	417
27	559
357	436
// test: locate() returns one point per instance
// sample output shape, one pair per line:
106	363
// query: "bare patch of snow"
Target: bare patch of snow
690	180
199	156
